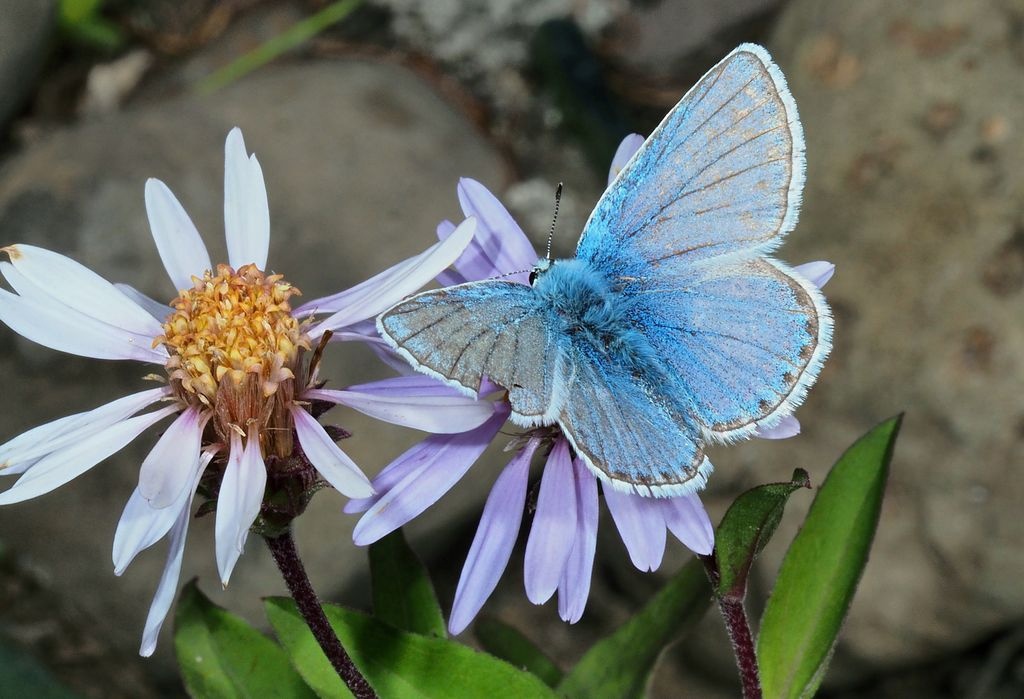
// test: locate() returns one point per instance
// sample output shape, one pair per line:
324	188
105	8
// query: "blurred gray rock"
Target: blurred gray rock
481	37
26	28
914	139
487	46
361	161
662	39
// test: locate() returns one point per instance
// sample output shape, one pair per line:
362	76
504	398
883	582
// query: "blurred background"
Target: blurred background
365	114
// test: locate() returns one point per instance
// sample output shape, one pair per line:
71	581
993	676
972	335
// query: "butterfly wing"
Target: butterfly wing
722	173
682	232
627	434
743	341
493	328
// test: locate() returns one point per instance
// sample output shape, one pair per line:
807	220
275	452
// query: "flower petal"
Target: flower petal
58	468
142	525
177	240
495	538
413	385
817	273
785	428
380	293
641	525
16	469
410	461
574	587
630	145
446	460
166	469
686	517
80	289
168	585
500	246
158	310
554	526
246	212
449	277
431	410
422	454
328	459
362	291
238	504
54	325
48	438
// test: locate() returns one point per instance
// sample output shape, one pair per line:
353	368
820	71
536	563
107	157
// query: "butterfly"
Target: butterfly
672	328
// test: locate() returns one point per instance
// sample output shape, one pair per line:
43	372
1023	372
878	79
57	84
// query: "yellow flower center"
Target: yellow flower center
232	328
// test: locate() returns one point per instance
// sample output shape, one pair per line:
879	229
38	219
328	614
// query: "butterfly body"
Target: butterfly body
591	312
671	328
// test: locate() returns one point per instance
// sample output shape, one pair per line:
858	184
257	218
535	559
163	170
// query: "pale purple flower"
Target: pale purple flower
240	383
560	546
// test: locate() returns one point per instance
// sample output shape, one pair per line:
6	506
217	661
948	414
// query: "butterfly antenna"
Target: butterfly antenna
554	219
510	274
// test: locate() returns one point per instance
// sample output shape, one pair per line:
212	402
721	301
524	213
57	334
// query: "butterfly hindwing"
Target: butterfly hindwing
743	339
722	173
496	329
626	432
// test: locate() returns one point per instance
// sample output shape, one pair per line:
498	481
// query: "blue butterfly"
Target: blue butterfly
671	328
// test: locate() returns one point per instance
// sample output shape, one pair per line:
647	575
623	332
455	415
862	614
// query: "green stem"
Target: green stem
295	35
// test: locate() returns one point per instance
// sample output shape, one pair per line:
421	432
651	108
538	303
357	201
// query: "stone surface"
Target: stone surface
361	161
658	41
26	28
914	138
482	38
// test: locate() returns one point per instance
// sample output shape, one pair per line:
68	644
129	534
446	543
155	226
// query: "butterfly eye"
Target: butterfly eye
533	276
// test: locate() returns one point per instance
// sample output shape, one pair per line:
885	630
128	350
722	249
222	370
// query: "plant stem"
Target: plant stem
295	35
287	558
738	626
742	645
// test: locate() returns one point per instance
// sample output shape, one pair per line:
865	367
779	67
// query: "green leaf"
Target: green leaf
620	665
82	22
746	527
97	33
22	675
397	664
222	656
820	572
500	639
403	595
75	11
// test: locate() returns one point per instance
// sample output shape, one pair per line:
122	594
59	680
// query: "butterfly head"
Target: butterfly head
542	266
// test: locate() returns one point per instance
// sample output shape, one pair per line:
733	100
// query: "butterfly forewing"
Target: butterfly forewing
494	328
721	174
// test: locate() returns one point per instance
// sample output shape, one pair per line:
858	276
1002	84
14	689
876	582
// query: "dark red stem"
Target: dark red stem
742	646
738	626
287	558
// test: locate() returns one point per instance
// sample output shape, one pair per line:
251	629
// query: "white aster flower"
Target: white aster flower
241	376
